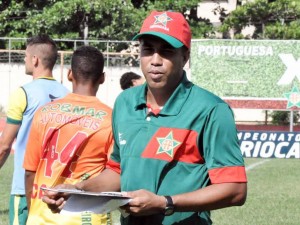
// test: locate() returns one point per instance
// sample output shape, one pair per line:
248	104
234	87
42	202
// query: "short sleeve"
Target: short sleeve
16	107
222	152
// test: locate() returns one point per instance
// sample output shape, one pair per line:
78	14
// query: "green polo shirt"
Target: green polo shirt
189	145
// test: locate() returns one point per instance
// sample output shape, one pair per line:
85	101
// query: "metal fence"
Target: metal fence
116	53
119	56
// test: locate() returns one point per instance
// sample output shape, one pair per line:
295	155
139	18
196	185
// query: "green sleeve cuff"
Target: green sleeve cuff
12	121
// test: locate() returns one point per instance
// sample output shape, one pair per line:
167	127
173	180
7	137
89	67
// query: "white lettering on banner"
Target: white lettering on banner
246	147
270	144
277	153
281	137
290	136
256	149
269	149
211	50
292	70
271	136
255	136
263	137
294	151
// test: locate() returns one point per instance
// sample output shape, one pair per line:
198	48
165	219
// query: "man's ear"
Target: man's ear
102	78
35	61
70	75
186	56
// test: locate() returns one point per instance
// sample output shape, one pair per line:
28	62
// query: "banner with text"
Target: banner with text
246	68
282	145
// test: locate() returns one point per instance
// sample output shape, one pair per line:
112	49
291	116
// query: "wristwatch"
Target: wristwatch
169	210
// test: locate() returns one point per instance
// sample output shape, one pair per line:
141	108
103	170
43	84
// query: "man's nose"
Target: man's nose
156	59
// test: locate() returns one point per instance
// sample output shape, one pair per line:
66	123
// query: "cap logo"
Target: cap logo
170	26
161	21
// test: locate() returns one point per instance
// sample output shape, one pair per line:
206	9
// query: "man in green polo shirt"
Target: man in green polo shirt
176	151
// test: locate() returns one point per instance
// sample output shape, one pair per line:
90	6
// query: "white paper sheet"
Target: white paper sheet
96	202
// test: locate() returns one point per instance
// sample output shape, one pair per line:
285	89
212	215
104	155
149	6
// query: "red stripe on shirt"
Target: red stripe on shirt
228	175
113	166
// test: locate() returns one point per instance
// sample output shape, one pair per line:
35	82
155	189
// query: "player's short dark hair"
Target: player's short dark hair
87	64
126	79
45	48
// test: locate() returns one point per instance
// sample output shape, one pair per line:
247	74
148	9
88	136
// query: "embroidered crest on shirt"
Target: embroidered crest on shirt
167	144
161	21
170	144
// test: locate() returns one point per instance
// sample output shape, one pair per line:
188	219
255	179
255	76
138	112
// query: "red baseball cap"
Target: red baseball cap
169	26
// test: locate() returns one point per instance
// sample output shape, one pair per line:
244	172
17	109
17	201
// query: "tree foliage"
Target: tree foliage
272	19
105	19
121	19
283	117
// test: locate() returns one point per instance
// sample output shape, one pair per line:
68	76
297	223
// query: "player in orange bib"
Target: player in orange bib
69	141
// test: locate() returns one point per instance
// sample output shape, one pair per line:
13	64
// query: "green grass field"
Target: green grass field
273	195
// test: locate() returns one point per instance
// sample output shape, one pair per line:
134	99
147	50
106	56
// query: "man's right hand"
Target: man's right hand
56	200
